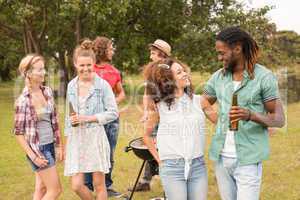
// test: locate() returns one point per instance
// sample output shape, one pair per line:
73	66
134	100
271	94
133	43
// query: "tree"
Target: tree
288	42
54	28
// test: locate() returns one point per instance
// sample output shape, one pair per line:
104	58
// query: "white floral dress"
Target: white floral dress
87	148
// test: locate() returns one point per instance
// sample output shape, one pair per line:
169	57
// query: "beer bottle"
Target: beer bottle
234	125
72	112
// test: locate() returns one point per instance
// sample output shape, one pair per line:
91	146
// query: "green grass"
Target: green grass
281	173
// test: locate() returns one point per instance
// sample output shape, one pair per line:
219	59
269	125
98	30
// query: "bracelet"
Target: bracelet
249	115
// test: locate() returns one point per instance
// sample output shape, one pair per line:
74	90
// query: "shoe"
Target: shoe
141	187
113	193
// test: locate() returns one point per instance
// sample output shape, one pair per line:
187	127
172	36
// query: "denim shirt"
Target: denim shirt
100	102
251	139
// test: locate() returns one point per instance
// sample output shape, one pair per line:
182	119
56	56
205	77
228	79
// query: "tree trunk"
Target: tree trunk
63	75
78	29
27	41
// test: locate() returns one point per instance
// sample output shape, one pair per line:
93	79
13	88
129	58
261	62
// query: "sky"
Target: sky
286	14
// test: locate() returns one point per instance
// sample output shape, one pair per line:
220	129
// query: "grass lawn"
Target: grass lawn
281	173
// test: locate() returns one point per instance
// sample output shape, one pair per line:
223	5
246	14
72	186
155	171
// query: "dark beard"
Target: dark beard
231	65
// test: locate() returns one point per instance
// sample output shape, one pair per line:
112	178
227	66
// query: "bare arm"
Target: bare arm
41	162
146	101
151	122
273	118
21	140
210	99
208	110
119	92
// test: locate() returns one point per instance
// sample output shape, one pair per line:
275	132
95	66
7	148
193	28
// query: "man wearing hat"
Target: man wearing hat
158	50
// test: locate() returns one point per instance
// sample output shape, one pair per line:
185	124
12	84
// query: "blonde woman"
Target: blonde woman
94	105
36	128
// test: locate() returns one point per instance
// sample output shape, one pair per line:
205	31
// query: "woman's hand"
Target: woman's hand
40	161
60	154
81	119
208	110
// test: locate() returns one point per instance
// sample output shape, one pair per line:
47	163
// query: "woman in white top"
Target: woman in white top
181	133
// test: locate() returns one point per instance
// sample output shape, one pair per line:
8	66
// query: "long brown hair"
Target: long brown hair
100	46
235	35
161	83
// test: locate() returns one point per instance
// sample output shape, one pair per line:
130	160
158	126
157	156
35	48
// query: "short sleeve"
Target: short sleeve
269	87
118	76
209	88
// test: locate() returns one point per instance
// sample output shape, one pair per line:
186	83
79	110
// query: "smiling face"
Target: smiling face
228	56
84	67
180	75
37	72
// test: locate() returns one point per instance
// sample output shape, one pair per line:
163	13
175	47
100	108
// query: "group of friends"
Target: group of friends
174	120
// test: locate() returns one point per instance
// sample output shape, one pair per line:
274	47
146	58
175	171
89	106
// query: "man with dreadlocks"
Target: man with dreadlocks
238	154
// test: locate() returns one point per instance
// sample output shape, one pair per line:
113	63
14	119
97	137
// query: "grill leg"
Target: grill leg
137	180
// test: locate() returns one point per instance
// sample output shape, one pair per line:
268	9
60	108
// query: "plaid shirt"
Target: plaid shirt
26	118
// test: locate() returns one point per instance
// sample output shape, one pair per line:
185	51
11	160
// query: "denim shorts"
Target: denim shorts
48	151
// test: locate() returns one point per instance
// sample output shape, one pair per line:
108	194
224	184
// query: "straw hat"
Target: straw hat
163	46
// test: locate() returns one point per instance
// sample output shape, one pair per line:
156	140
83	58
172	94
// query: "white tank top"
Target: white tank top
181	131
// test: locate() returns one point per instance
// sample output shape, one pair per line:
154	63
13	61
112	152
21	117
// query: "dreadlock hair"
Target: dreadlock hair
233	36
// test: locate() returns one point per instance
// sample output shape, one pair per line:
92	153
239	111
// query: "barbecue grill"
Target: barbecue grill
141	151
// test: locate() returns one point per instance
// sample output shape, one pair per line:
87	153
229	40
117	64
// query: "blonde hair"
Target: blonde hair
85	49
27	63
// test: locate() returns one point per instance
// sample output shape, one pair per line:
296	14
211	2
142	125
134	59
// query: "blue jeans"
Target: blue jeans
48	150
112	132
238	182
176	187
